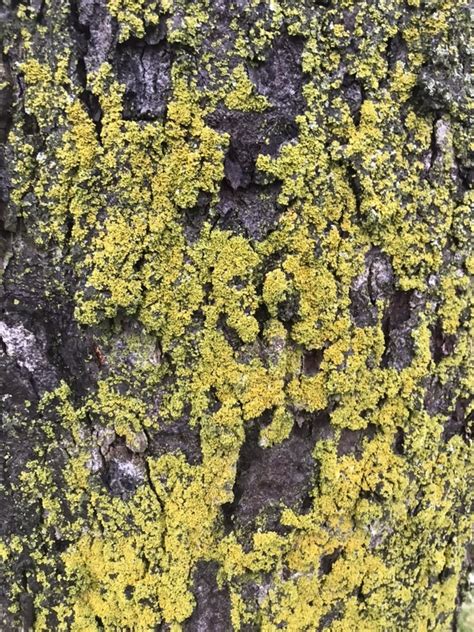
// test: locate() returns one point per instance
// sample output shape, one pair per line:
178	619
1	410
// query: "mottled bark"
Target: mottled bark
235	314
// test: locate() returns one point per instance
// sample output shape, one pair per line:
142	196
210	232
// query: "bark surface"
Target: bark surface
235	314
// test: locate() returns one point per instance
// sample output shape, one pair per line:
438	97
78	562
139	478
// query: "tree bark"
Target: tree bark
235	321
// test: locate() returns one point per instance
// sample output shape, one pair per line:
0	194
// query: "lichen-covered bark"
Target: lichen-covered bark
234	339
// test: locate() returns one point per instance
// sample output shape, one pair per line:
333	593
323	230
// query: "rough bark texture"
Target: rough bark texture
234	336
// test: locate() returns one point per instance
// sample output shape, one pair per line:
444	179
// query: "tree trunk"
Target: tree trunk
235	314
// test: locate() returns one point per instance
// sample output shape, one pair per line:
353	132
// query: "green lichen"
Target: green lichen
242	96
133	16
391	519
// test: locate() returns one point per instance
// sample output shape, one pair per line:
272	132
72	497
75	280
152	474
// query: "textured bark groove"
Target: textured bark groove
235	386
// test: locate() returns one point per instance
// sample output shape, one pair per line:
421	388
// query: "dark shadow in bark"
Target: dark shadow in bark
280	77
353	92
352	441
248	199
252	211
397	330
459	422
195	217
375	283
441	344
399	442
279	475
6	110
177	437
312	361
327	562
212	610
